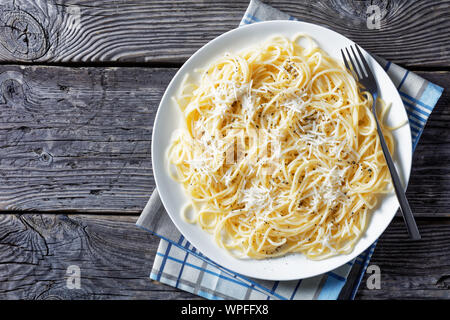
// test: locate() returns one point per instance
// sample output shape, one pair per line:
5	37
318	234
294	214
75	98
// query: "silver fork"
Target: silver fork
366	78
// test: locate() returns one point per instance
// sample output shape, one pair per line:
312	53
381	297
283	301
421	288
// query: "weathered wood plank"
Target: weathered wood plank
413	33
115	258
78	139
113	255
428	190
412	270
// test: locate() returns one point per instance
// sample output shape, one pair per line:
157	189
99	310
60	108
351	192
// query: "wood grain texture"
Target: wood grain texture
428	190
78	139
412	33
412	270
115	258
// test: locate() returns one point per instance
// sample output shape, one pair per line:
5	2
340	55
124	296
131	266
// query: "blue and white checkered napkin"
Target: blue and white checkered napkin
179	264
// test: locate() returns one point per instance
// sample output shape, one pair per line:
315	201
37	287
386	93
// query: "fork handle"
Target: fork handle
408	216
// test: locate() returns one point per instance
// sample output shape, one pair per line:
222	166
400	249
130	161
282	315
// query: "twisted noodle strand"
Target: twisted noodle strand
279	152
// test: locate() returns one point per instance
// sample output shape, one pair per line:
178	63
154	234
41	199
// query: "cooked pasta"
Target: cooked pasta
279	151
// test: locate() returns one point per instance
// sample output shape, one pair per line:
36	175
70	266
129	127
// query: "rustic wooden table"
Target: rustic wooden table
80	82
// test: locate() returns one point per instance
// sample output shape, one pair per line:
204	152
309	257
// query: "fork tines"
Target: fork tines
363	72
357	64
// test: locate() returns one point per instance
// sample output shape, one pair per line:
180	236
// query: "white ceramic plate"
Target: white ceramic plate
168	118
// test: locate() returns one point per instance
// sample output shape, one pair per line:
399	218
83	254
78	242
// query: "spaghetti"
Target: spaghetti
279	152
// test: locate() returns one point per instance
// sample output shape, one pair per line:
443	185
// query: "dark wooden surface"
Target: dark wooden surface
80	82
413	32
115	258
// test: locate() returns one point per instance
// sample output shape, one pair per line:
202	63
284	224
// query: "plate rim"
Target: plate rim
185	65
